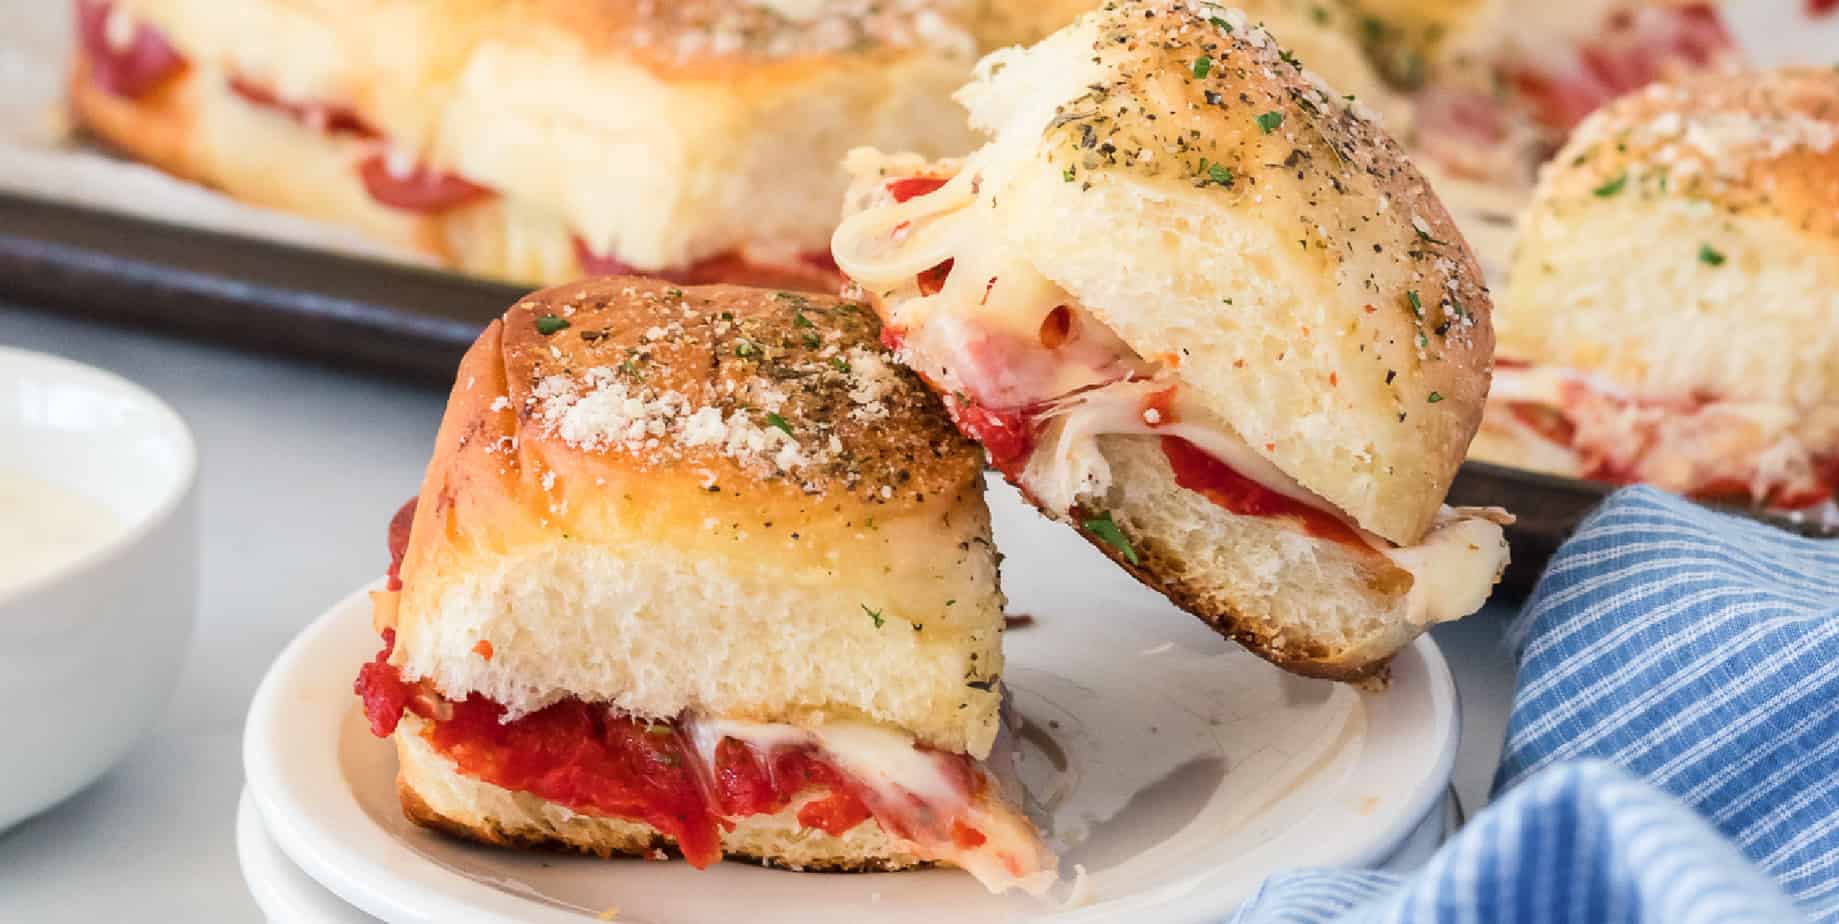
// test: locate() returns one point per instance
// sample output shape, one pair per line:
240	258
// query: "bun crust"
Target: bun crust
662	135
1687	241
719	499
436	796
1279	244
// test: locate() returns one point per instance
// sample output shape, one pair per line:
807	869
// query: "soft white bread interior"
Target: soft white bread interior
436	795
1687	240
714	500
661	135
1256	225
1323	609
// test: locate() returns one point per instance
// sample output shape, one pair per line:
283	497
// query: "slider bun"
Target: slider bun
434	794
1612	278
662	133
1283	300
614	508
1320	35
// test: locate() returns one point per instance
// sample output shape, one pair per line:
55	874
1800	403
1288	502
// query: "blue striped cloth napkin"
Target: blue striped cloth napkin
1673	752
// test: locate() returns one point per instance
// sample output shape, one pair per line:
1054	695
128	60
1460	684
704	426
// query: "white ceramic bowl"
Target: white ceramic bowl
90	650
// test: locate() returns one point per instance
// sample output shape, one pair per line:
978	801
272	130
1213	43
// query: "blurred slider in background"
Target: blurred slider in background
534	142
699	141
1673	312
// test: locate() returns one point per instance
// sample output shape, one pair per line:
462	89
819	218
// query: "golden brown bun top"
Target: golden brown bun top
670	35
719	421
687	38
1377	320
1763	144
787	393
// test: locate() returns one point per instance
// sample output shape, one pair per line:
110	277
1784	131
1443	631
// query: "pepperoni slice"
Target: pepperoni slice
399	540
421	190
932	281
913	187
1007	435
1633	52
321	117
814	271
130	69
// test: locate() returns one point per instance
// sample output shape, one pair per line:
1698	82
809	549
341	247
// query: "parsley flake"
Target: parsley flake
777	422
1435	397
1270	121
1220	173
1068	174
1202	65
1710	256
875	615
1220	24
1417	305
841	364
799	320
1107	532
549	324
743	348
1611	188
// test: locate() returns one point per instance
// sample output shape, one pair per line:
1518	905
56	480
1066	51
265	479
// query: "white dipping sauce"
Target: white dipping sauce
43	527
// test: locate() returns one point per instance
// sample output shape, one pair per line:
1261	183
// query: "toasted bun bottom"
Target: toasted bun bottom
435	795
1311	606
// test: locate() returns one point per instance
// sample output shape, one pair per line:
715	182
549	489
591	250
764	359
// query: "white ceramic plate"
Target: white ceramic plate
1178	770
288	896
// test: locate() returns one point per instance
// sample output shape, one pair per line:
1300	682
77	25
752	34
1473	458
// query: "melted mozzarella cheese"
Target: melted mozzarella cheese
897	772
1072	466
1454	568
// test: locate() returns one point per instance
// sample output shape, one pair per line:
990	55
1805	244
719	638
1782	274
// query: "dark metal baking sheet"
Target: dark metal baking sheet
400	320
414	323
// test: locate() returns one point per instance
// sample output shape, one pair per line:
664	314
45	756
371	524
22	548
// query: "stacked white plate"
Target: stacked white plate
1178	771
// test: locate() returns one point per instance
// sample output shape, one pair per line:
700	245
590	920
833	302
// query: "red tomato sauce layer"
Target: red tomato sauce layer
1199	472
597	762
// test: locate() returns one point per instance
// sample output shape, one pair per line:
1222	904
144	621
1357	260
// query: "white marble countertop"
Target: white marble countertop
301	467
